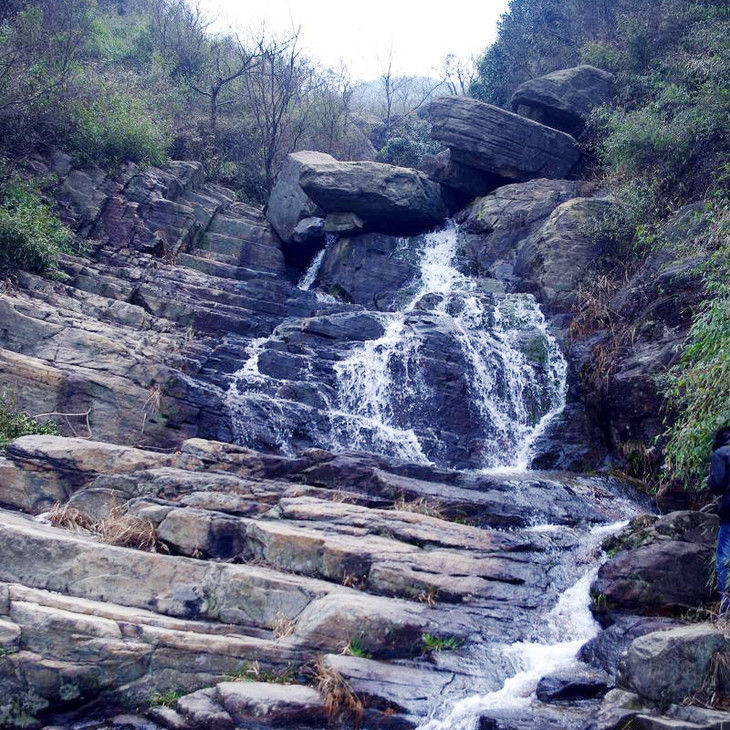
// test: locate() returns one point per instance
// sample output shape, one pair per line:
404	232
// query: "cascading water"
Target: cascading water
455	358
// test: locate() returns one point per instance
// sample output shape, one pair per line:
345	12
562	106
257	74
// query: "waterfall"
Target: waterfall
456	359
560	634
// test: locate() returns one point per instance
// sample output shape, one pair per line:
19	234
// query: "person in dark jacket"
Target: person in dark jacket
719	483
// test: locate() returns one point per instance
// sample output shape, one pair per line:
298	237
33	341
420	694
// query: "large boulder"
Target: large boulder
665	571
288	203
670	666
365	269
390	199
563	99
556	258
494	227
461	181
501	143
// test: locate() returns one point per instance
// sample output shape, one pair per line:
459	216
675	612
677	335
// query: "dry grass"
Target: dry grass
116	528
592	310
126	531
421	506
711	694
70	518
340	702
283	627
428	596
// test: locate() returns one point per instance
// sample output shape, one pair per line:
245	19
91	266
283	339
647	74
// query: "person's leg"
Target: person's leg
723	567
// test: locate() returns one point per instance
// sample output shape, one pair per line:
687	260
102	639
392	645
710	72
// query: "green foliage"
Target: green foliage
31	236
355	648
115	123
15	423
697	389
168	698
437	644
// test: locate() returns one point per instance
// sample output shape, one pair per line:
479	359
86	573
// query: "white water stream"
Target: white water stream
383	400
563	630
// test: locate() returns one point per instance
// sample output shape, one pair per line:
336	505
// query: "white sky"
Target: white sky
360	33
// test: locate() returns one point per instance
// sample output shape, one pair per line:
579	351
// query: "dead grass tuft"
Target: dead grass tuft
283	627
70	518
712	694
340	702
132	532
421	506
116	528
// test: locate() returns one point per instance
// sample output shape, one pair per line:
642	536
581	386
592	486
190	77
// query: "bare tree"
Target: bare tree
208	63
276	87
456	74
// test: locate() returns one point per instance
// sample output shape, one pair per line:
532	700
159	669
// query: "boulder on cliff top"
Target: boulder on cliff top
390	199
288	203
499	142
563	99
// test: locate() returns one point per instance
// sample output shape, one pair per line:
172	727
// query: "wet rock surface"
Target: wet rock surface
262	564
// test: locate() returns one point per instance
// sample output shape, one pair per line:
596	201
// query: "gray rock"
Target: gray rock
309	229
366	269
571	685
288	203
501	143
343	224
389	199
273	704
563	99
605	650
202	712
467	181
668	667
556	258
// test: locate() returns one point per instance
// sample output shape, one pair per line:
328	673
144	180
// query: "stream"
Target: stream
459	376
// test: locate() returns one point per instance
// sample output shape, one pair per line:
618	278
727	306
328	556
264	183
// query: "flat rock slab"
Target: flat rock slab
275	704
496	141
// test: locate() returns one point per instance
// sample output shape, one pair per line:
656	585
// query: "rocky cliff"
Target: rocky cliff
223	539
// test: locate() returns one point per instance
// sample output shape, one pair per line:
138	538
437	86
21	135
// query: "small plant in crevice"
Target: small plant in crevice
433	644
355	648
15	423
251	671
167	698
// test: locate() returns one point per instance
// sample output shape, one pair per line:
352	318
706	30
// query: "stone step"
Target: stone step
81	648
252	254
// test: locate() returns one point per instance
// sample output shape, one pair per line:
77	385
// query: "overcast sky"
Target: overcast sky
360	33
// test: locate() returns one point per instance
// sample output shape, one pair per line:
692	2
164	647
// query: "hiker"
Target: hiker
719	483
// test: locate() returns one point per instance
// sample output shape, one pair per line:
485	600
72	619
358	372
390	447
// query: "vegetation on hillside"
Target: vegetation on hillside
663	142
113	81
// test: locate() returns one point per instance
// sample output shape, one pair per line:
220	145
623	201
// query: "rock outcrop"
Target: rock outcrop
262	564
386	198
500	143
564	99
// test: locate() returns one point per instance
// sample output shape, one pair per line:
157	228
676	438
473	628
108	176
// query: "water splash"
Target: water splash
456	358
530	661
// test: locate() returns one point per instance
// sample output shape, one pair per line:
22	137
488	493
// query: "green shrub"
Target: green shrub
31	236
114	125
15	423
697	389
